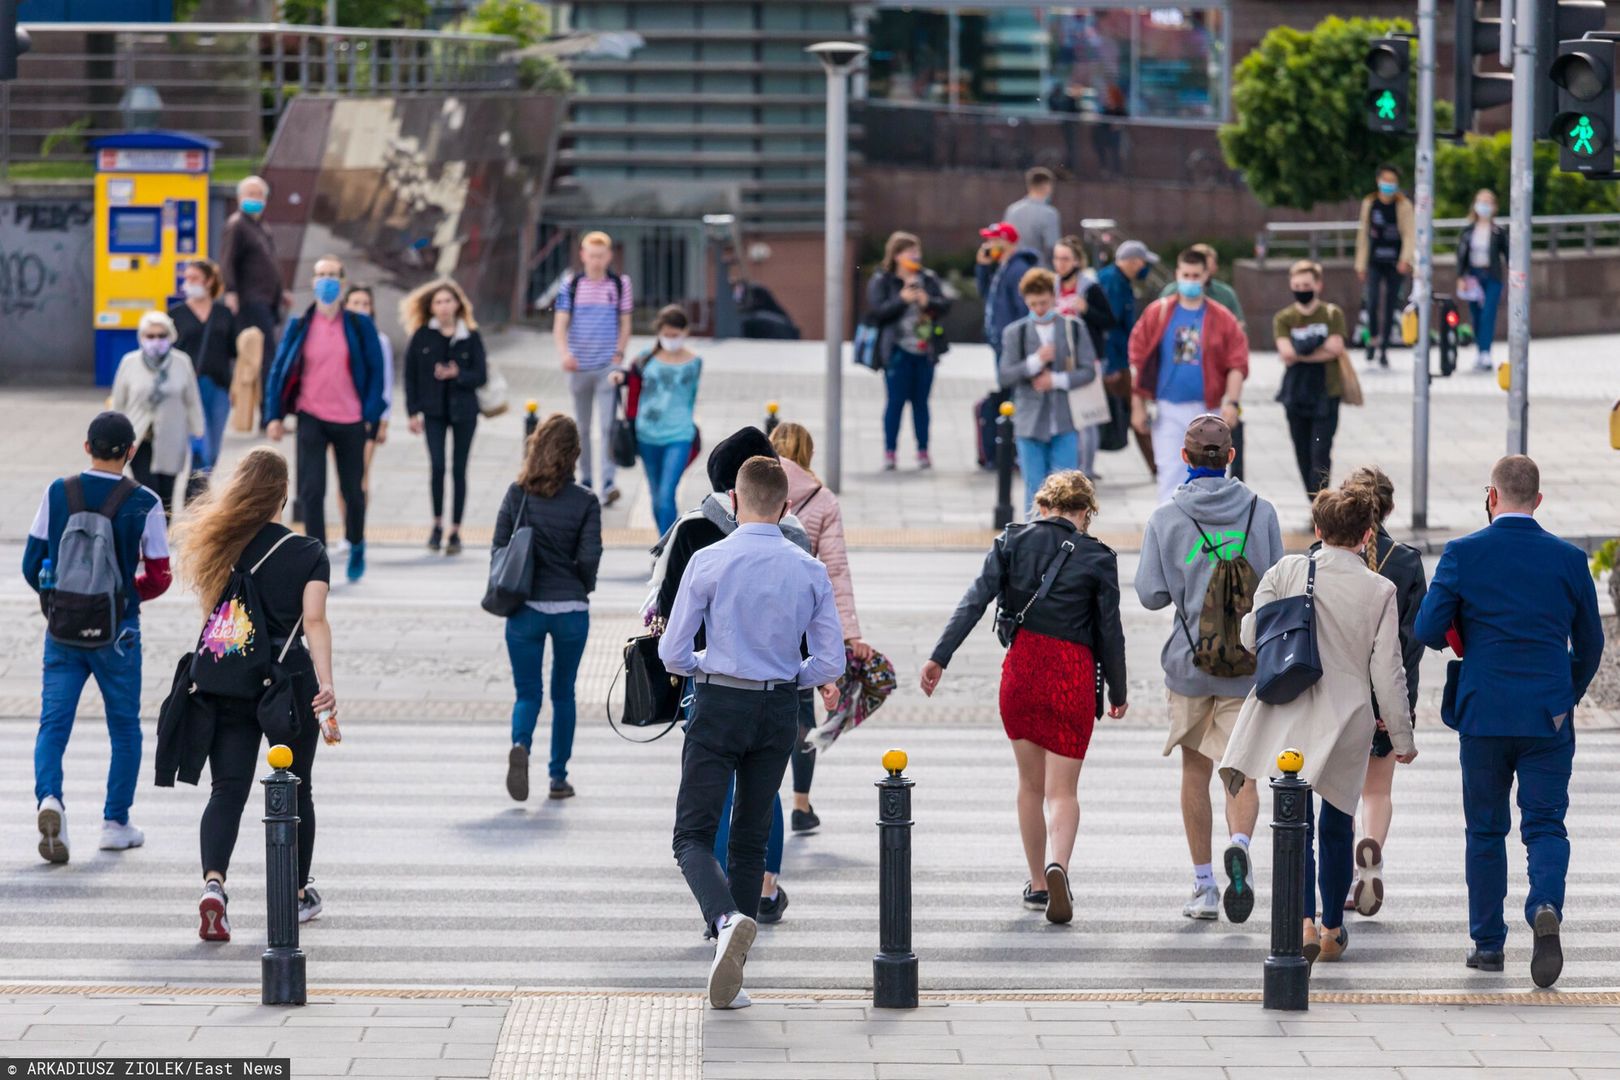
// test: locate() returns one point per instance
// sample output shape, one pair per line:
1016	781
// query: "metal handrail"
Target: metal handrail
1316	240
265	28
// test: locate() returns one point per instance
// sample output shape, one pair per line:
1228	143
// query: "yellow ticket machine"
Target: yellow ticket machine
151	219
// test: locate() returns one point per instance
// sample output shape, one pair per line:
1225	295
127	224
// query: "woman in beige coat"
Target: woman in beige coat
1358	641
156	387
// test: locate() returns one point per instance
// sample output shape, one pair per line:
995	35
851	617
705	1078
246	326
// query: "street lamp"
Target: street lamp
839	58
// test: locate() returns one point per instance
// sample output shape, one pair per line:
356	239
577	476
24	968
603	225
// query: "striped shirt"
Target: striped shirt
593	328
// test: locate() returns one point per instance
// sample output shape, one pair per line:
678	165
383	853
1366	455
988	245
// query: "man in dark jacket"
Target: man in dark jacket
247	263
1001	265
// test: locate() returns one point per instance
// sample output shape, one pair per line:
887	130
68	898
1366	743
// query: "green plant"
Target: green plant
528	22
1460	170
1301	136
1604	558
69	137
393	14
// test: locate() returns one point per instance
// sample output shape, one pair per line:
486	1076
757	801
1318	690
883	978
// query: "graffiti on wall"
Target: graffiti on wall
45	285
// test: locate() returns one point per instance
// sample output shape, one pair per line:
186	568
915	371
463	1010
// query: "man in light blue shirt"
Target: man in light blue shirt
756	596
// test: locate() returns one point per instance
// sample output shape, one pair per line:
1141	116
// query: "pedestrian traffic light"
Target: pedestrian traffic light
1472	91
1389	67
1582	75
13	39
1450	320
1557	21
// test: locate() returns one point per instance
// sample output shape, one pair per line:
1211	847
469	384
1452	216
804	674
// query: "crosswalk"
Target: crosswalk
433	877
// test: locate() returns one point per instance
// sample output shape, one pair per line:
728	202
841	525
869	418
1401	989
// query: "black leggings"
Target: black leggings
162	484
804	757
1313	444
436	428
233	761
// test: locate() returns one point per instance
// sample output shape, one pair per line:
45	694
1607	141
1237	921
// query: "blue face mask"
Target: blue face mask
1142	273
1484	209
1192	290
327	290
253	207
1387	189
1044	319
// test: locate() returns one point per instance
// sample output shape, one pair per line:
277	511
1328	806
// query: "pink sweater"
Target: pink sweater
817	510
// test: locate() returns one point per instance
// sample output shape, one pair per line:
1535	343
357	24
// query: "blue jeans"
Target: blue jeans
1489	765
1040	458
1330	852
664	462
773	846
117	671
216	407
909	378
1483	314
526	645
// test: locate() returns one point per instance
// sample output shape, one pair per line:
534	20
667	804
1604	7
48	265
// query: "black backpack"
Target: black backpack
234	652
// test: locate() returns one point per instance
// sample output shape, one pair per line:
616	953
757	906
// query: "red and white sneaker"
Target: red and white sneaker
215	926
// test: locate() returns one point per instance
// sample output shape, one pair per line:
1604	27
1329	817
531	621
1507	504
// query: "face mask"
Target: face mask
1387	189
1142	273
194	291
1484	209
1304	296
1044	319
327	290
155	348
671	344
1192	290
253	207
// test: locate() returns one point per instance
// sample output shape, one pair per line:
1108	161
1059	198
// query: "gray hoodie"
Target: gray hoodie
1175	569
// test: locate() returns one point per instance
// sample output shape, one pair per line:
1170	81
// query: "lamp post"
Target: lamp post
838	58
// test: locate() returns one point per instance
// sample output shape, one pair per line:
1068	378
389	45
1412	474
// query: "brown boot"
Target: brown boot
1334	944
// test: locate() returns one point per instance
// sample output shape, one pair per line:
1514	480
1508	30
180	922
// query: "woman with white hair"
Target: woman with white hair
156	387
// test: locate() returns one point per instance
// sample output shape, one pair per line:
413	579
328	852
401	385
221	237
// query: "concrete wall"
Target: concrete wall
45	287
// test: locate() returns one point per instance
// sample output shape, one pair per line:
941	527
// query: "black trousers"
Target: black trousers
348	443
162	484
234	764
748	734
1382	280
1313	433
804	756
436	428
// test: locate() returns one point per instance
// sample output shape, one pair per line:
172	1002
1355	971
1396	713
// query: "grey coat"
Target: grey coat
1043	415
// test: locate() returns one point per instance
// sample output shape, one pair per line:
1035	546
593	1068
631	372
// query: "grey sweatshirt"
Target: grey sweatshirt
1175	569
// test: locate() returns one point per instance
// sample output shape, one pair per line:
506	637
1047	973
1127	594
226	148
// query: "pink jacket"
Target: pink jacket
817	510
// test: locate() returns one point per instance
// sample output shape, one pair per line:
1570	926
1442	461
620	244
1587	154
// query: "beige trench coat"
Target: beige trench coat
1359	644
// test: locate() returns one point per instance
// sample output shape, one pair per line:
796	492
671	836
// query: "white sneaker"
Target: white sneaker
116	837
741	1001
53	838
338	548
1205	903
730	954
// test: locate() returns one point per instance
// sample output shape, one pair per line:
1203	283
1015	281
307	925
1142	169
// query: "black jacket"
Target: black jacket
443	399
567	539
218	360
1082	606
1403	565
1496	268
884	310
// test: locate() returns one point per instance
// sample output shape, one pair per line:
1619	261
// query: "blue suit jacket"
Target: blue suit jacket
365	366
1524	603
1003	303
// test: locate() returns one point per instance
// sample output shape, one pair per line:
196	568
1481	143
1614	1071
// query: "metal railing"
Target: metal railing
225	81
1323	240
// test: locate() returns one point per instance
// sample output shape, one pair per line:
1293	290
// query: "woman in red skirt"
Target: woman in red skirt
1058	589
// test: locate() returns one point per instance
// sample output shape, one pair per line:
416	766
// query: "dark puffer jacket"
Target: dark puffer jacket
567	539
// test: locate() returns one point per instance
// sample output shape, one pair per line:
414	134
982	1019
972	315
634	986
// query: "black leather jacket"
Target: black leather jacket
1082	605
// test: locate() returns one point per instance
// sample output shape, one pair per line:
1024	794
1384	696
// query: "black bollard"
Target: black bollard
531	419
1287	973
1004	465
894	968
771	419
281	967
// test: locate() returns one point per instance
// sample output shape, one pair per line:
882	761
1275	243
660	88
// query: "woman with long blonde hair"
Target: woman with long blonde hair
237	525
444	367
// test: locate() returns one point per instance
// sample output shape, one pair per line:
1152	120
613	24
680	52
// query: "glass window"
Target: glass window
1091	61
1179	62
910	58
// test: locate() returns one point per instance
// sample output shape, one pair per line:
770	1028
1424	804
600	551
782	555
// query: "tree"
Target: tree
528	22
389	14
1301	136
1483	162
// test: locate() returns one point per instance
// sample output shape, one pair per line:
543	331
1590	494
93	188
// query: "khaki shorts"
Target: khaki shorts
1202	723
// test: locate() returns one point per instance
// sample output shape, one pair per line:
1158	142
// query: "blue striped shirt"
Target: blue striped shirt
594	307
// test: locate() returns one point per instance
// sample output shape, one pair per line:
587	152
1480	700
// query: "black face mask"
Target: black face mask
1304	296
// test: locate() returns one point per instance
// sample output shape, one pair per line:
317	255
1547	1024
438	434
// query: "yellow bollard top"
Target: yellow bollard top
531	405
1290	761
279	757
894	761
772	407
1007	408
1504	376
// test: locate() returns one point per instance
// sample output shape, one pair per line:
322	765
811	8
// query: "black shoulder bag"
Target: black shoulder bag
1007	625
1286	660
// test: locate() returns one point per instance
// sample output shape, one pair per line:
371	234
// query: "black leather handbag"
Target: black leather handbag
1007	624
1286	659
622	435
652	696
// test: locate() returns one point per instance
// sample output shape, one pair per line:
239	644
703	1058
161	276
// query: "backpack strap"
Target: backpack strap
292	637
74	488
288	536
1248	526
1209	545
115	499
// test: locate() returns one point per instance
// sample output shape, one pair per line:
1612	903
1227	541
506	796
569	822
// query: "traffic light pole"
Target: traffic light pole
1523	197
1423	276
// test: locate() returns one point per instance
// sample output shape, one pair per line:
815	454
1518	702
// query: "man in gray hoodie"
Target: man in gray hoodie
1211	517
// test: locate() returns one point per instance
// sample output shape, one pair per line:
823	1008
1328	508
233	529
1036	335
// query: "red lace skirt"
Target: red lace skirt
1049	693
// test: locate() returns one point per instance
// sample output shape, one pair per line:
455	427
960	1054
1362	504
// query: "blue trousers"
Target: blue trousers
1330	860
909	379
526	634
1483	314
1040	458
216	407
1489	765
664	462
117	671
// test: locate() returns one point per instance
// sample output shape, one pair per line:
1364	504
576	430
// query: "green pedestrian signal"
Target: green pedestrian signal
1386	106
1581	136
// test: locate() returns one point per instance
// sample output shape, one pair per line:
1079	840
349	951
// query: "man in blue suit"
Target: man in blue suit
1523	604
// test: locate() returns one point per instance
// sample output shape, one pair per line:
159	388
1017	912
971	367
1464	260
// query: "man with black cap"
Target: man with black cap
84	508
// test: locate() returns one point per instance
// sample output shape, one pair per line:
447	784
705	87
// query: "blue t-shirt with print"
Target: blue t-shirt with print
1181	356
668	397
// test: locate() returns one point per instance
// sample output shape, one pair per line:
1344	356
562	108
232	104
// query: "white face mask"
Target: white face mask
194	291
671	344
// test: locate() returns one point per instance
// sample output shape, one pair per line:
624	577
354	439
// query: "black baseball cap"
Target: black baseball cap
110	435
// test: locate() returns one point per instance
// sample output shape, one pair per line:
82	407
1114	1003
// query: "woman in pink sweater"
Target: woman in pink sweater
818	511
